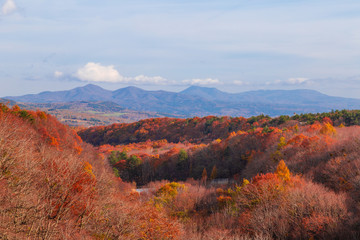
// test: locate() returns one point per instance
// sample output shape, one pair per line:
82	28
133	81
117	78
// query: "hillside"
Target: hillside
300	173
277	178
201	130
53	186
201	101
86	114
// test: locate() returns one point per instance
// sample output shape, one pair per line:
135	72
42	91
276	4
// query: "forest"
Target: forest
289	177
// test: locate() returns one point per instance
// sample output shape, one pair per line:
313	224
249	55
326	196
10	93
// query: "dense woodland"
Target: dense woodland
202	178
202	130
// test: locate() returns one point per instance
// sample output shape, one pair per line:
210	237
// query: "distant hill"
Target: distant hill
7	101
85	113
201	101
163	102
296	97
89	92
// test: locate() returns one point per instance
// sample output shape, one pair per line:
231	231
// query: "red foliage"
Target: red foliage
172	130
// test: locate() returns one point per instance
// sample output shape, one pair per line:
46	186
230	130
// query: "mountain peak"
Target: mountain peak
133	88
91	87
129	89
209	93
199	88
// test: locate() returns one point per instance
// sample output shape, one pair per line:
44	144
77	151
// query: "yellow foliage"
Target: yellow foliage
167	193
281	143
282	171
245	182
296	128
240	132
328	129
88	168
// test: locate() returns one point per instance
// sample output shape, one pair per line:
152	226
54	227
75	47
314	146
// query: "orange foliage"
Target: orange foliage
315	127
282	171
297	140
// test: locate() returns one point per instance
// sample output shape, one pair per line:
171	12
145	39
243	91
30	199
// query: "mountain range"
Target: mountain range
201	101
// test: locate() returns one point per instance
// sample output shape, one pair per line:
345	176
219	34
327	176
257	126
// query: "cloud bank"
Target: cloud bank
205	81
95	72
290	81
58	74
297	80
240	83
8	7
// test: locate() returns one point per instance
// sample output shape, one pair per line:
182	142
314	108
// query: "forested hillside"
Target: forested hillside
287	177
218	178
53	186
206	129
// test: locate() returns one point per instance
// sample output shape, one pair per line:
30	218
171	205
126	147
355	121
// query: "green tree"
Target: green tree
183	156
133	162
116	156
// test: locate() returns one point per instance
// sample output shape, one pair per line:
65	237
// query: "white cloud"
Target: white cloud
237	82
205	81
240	83
297	80
146	79
95	72
276	82
8	7
58	74
290	81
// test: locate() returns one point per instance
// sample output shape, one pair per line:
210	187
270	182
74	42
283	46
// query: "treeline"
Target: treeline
203	130
344	117
195	130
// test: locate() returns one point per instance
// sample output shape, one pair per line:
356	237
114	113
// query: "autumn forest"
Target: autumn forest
288	177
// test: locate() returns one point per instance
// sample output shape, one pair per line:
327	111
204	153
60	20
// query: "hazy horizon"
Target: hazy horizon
235	46
184	88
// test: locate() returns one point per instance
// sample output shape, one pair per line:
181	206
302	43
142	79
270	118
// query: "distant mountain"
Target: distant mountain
212	94
89	92
7	101
296	97
162	102
201	101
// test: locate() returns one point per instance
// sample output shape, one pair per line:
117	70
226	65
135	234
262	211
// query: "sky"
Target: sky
233	45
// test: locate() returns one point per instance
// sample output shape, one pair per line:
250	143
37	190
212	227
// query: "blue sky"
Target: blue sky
234	46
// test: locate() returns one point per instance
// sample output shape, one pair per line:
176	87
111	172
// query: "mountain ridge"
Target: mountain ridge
201	101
